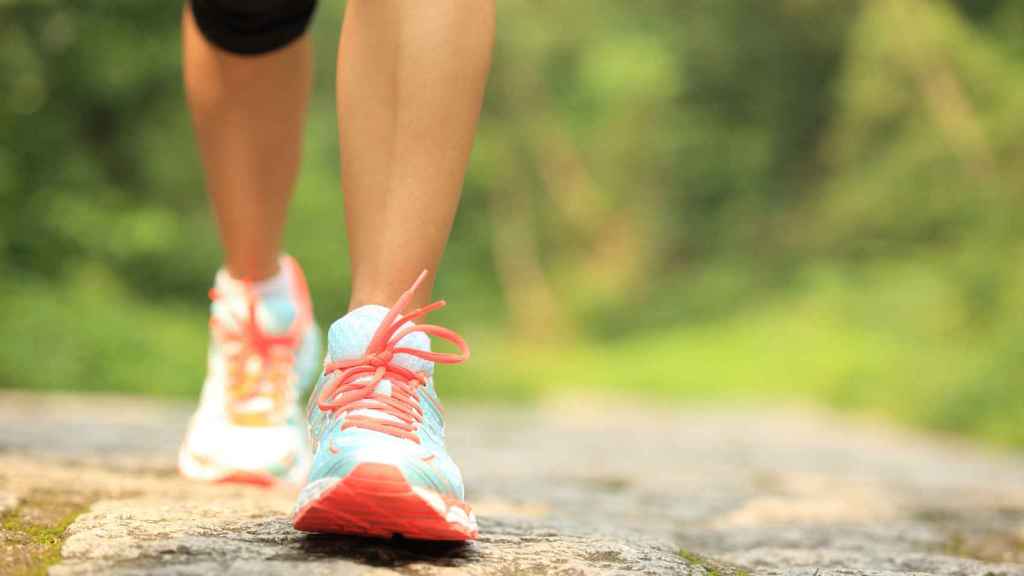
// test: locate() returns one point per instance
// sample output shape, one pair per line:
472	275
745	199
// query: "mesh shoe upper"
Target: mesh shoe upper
264	350
367	420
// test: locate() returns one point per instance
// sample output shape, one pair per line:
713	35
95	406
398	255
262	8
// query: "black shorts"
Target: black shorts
252	26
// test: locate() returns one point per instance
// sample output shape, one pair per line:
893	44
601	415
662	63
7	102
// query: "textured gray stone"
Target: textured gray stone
574	488
135	537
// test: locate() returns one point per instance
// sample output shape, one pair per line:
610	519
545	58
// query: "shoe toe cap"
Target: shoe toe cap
421	467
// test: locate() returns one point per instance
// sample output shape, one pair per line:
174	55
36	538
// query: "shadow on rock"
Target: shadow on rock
393	552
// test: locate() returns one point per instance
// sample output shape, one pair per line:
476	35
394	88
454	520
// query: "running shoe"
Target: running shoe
380	466
264	353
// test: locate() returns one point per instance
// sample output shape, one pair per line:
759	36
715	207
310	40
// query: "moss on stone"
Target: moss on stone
32	533
711	567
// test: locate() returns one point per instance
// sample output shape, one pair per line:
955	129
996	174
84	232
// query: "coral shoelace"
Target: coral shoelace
355	386
252	341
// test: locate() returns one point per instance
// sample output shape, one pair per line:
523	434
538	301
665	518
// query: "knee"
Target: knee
252	26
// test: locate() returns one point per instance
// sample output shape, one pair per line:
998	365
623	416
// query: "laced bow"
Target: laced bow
355	385
252	341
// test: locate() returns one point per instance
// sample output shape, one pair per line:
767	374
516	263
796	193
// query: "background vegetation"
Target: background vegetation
802	199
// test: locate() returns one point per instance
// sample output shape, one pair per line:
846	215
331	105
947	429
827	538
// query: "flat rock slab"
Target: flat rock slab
560	489
160	537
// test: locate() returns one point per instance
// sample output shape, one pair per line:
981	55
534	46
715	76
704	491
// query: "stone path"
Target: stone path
559	490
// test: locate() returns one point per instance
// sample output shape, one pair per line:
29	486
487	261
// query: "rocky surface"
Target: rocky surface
559	489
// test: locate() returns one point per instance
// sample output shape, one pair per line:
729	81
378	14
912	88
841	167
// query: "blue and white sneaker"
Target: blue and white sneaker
380	467
264	353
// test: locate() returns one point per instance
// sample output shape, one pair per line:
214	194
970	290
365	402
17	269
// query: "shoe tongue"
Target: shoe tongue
351	334
275	306
275	313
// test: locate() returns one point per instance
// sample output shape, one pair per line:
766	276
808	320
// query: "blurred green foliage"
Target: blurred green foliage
768	200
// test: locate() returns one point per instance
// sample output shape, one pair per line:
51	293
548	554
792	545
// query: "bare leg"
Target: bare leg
411	79
248	113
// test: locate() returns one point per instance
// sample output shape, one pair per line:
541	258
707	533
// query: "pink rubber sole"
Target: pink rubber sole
376	500
251	478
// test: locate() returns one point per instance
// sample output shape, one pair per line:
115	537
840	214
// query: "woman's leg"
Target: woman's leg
247	79
248	112
411	79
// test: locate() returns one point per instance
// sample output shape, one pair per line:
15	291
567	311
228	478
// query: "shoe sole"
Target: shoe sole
376	500
195	469
261	479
